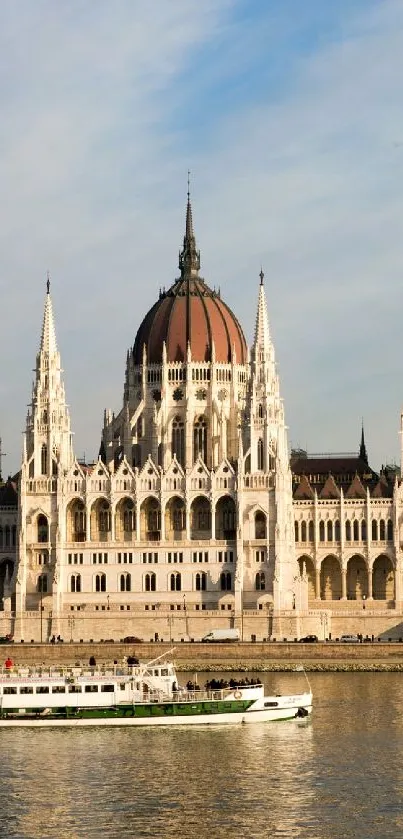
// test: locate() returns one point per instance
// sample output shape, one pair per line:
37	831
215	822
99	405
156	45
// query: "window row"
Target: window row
150	582
26	690
355	531
147	557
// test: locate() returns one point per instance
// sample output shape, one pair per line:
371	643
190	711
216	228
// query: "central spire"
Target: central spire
189	256
48	336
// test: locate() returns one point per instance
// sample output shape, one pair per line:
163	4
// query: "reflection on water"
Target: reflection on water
337	776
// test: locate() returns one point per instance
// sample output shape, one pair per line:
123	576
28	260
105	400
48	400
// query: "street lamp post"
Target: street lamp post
41	608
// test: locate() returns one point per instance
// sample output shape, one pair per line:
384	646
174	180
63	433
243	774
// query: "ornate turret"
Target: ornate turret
48	435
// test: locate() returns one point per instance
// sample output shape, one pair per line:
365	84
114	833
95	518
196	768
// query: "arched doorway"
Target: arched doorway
357	578
125	520
306	565
330	579
175	519
225	518
150	520
383	579
200	518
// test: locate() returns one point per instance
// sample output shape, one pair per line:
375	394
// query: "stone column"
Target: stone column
317	582
163	510
344	583
212	514
87	523
369	582
113	523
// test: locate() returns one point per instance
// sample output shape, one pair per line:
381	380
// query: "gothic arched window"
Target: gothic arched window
100	582
44	459
43	529
225	581
75	583
260	455
125	582
260	581
200	439
178	440
43	583
201	581
150	582
104	517
260	525
175	582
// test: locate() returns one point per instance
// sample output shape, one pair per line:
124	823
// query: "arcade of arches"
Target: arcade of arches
357	581
204	520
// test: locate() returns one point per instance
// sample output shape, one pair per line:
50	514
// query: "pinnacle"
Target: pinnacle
48	336
262	330
189	257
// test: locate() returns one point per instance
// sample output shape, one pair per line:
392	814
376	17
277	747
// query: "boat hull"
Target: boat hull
117	718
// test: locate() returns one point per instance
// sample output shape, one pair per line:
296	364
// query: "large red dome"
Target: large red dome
190	314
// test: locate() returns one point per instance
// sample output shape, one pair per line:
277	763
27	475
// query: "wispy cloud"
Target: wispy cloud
291	120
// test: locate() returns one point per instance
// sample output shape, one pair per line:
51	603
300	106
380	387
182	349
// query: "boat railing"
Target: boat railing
54	672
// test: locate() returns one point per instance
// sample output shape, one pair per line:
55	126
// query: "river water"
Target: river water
336	777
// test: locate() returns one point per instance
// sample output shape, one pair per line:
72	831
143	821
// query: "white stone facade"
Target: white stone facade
187	520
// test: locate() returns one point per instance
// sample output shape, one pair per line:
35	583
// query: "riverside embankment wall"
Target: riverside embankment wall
214	657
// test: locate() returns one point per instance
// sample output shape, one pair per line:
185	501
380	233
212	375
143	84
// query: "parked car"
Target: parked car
131	639
7	639
309	639
349	639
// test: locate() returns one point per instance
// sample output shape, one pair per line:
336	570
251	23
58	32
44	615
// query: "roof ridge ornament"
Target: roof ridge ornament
189	256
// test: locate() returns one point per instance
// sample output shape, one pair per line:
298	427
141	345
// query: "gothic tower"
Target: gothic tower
47	455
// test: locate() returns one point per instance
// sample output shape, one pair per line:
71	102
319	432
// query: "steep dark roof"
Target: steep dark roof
351	473
9	494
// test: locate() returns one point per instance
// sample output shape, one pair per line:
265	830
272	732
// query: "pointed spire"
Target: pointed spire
363	449
189	257
262	331
48	336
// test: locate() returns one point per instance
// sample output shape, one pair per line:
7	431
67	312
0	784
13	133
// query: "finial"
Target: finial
261	275
47	283
189	256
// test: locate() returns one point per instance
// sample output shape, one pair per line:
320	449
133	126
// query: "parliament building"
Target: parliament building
195	515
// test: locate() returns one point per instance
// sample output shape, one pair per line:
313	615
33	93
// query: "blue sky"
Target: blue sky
288	113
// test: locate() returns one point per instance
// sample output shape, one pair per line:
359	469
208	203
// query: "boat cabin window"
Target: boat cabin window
91	689
122	686
9	690
75	689
26	689
271	704
107	688
59	689
164	672
42	689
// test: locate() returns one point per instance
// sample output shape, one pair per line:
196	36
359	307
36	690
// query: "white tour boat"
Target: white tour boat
143	694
